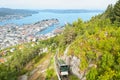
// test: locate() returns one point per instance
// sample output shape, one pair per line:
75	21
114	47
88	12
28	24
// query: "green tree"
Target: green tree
116	12
92	74
69	34
107	61
107	75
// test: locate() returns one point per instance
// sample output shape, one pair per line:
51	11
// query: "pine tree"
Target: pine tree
109	11
116	11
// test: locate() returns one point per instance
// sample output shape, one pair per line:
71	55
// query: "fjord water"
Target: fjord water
62	17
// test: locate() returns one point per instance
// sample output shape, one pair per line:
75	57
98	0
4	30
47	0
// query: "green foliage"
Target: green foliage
49	74
16	60
107	61
92	74
107	75
112	13
69	34
73	77
116	11
98	43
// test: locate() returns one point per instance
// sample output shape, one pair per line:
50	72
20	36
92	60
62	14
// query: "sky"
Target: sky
56	4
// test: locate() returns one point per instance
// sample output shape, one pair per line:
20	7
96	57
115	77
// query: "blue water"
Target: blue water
62	17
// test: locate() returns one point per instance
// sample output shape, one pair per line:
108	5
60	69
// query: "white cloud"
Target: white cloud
61	4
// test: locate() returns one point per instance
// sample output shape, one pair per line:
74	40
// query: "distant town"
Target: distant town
15	16
11	34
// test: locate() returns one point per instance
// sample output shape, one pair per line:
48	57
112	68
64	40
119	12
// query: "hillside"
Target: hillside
7	11
95	45
7	14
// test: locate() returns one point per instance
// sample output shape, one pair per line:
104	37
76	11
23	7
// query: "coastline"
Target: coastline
25	30
12	34
10	14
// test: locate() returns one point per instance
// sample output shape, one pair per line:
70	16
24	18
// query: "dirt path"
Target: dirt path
39	72
66	51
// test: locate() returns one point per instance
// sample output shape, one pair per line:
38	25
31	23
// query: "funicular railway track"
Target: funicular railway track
64	78
61	69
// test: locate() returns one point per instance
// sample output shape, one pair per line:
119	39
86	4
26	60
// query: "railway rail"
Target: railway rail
64	78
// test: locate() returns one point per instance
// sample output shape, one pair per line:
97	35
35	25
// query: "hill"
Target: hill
7	14
95	45
8	11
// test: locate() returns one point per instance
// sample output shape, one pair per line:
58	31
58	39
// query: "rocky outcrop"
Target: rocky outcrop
74	63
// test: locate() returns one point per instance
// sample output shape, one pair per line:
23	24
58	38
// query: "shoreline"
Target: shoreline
12	34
